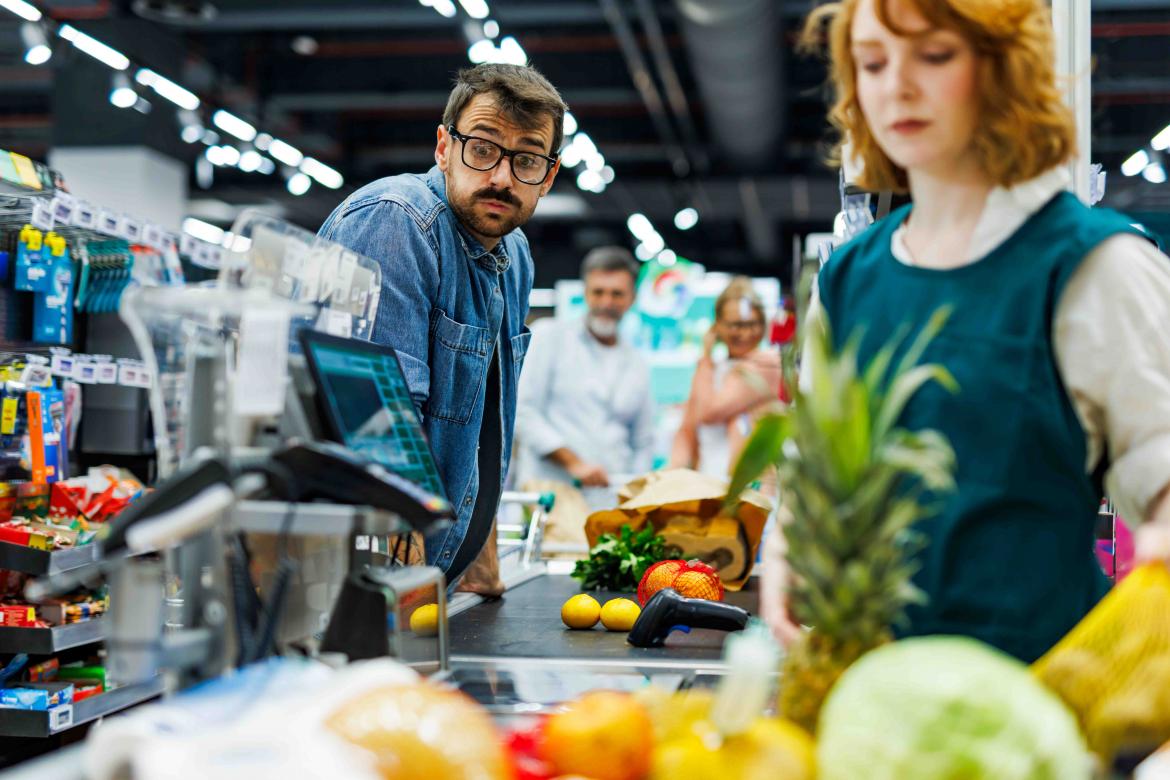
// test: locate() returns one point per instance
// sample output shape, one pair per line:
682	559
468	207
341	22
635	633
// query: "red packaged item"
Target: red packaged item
65	502
692	579
84	690
18	616
45	671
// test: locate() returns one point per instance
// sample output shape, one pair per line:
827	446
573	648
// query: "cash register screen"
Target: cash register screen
367	407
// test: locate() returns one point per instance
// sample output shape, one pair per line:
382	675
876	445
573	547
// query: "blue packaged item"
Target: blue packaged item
32	272
53	308
36	696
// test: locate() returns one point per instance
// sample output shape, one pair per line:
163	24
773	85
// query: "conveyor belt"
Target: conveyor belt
526	623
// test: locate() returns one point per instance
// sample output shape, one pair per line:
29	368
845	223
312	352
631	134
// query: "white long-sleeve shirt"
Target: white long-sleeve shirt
1111	336
577	393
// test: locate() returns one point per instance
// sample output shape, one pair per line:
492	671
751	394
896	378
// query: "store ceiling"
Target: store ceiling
729	121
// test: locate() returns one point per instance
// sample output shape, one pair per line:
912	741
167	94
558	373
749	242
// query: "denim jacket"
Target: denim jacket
446	303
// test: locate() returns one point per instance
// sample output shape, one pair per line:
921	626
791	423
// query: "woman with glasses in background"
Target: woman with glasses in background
726	394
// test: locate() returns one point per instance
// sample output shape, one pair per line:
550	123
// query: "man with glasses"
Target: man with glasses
456	274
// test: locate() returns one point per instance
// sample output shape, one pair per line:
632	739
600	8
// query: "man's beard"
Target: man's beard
603	326
490	226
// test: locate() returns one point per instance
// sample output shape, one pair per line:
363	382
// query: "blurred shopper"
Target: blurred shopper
728	393
456	274
585	411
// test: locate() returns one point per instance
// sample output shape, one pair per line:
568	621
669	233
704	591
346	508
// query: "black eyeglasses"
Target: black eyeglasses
480	154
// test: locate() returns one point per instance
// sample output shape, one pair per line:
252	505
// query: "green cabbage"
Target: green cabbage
946	708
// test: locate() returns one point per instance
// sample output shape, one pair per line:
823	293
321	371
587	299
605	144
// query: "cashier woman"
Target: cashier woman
1058	332
456	275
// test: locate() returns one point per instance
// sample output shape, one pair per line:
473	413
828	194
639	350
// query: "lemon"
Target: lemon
424	621
581	611
620	614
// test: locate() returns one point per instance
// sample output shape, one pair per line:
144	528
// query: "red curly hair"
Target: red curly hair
1025	127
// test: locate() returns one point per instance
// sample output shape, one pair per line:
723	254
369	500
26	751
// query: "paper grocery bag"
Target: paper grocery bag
686	509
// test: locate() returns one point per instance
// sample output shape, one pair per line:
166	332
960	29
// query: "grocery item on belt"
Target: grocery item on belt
686	509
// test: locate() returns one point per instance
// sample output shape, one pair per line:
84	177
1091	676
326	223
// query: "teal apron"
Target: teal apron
1010	556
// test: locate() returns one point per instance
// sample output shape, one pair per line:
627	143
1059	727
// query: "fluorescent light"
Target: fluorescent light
1136	163
26	11
267	167
482	51
511	52
263	141
191	133
322	173
570	156
285	153
1154	173
595	162
667	257
38	55
608	175
654	243
210	137
444	7
181	97
640	226
299	183
686	218
588	179
122	94
642	253
36	45
230	123
94	48
204	231
584	145
250	161
476	9
1161	141
570	123
491	28
230	155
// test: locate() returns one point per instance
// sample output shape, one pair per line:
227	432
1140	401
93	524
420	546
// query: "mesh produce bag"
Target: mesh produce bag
1113	669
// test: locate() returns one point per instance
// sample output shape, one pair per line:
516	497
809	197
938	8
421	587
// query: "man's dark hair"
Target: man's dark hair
610	258
523	94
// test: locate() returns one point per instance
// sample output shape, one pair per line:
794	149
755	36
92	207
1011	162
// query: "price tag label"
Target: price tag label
85	215
84	371
152	236
188	246
42	215
108	223
61	717
107	373
62	365
130	229
63	206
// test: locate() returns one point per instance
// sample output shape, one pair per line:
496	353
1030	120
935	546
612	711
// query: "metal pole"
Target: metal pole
1072	20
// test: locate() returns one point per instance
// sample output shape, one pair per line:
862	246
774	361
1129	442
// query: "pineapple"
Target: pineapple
854	484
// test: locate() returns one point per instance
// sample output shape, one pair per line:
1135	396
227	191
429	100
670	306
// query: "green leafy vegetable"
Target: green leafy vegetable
618	562
941	706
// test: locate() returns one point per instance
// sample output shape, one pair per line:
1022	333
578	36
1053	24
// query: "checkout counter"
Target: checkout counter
342	460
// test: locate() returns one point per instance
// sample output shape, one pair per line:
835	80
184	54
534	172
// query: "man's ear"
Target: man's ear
548	183
443	141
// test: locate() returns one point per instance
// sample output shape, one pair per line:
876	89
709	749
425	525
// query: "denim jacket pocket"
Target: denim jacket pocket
520	344
459	356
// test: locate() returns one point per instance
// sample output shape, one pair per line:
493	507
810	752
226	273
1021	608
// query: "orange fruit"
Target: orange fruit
604	735
699	585
657	577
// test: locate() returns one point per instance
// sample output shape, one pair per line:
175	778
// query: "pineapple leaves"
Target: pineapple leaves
762	450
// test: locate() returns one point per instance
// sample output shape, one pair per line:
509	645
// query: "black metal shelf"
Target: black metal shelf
46	641
45	723
29	560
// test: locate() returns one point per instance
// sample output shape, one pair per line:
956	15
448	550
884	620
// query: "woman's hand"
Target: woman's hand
710	339
1151	540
